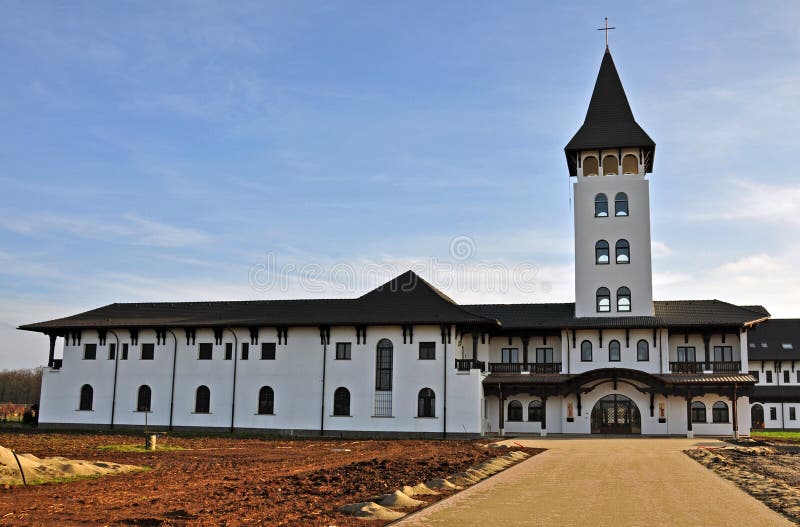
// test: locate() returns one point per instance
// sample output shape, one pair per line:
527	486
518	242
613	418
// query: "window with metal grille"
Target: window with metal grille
148	351
343	350
535	411
383	365
205	351
515	411
719	412
267	351
426	403
427	351
202	400
341	401
143	399
698	412
266	400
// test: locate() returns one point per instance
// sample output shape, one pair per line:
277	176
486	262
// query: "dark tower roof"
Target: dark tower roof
609	121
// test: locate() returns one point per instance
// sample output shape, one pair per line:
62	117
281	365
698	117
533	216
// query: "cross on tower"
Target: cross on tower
606	29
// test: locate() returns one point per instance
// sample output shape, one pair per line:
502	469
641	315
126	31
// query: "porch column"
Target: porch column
51	359
544	416
474	347
735	403
502	401
525	350
706	345
689	431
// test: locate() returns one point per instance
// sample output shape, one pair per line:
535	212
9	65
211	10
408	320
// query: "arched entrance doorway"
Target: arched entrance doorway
757	417
616	414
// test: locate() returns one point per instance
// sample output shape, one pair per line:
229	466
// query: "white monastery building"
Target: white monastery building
404	359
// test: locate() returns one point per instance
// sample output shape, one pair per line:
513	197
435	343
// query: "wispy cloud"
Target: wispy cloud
747	200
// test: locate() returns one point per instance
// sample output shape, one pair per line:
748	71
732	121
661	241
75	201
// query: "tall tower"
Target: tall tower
610	157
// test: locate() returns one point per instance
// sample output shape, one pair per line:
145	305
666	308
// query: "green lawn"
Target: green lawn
775	434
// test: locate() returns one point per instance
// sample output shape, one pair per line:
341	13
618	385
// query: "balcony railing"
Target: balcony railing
470	364
699	367
519	367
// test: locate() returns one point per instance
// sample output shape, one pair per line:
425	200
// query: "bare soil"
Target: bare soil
767	470
223	480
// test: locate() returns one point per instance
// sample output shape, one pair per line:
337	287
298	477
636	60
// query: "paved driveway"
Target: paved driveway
608	482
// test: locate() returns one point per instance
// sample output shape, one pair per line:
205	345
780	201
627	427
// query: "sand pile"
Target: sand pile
39	470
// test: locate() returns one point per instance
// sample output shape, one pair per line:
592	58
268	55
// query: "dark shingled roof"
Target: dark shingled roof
766	341
668	313
609	120
407	299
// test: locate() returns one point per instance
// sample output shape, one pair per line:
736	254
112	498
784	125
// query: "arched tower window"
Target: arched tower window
515	411
623	299
586	351
603	300
202	400
143	399
601	206
642	350
341	401
601	252
426	403
623	252
610	166
613	351
87	397
630	165
535	411
590	166
621	204
266	401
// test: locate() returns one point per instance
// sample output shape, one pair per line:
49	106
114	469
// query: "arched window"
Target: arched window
515	411
600	206
719	412
698	412
630	165
87	396
610	166
341	401
642	350
426	403
266	401
383	366
590	166
586	351
601	252
623	299
613	351
202	400
603	300
535	411
143	399
623	252
621	204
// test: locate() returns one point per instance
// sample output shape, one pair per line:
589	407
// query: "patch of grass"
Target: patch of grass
138	448
775	434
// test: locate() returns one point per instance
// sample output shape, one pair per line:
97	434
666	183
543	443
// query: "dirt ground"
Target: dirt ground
767	470
228	480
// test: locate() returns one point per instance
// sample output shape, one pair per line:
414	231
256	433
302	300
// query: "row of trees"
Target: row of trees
20	386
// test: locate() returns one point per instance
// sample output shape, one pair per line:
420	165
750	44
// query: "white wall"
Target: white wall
628	353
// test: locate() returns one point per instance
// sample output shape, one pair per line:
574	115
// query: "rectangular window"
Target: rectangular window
267	351
427	351
798	376
754	374
383	374
510	355
792	413
124	352
769	375
787	345
544	355
148	351
686	354
773	413
786	378
112	352
205	351
229	351
89	351
245	350
343	350
723	353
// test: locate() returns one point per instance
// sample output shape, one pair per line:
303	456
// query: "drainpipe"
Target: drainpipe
445	334
114	389
324	337
172	389
235	361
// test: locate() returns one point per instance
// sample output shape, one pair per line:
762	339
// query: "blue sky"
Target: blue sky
165	151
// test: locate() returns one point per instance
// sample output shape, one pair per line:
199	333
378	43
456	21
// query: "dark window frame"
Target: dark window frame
90	352
341	402
686	350
621	208
202	400
427	350
623	293
611	345
266	401
720	412
144	398
726	352
699	412
792	413
147	351
768	376
86	399
205	351
426	403
584	349
245	350
508	353
535	411
773	413
600	203
545	353
229	351
384	365
124	355
344	351
786	377
602	294
112	351
514	412
601	248
269	351
642	357
622	248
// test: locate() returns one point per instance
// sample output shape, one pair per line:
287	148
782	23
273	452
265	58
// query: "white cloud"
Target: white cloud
766	202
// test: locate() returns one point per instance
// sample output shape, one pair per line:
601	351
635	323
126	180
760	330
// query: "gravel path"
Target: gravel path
602	482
